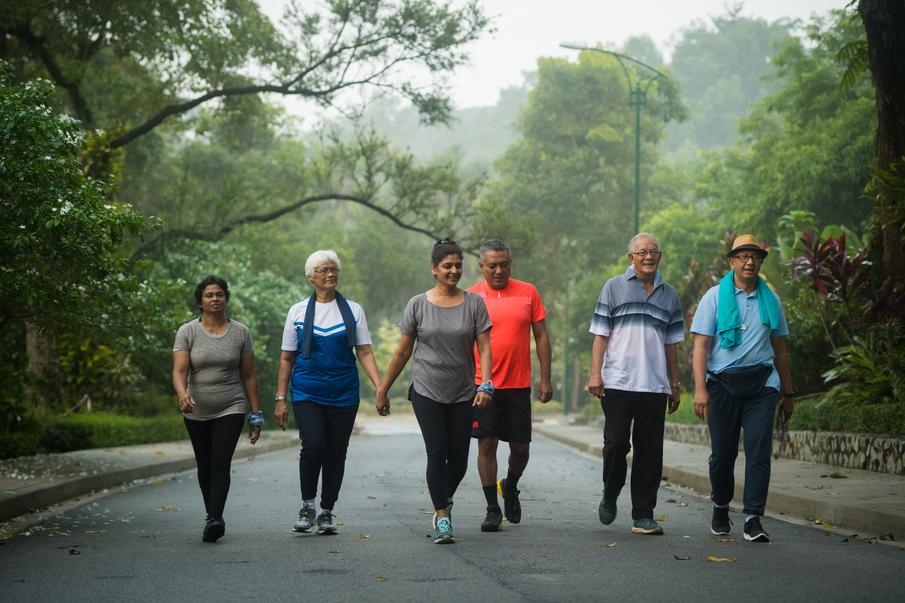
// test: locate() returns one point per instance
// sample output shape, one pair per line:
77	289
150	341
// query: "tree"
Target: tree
59	233
162	59
884	24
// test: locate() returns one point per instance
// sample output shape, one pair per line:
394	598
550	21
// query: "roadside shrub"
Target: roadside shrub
20	443
115	430
63	436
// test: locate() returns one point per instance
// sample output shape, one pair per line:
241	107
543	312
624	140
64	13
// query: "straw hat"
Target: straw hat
747	242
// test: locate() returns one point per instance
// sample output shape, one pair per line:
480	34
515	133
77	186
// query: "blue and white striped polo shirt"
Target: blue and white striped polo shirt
637	326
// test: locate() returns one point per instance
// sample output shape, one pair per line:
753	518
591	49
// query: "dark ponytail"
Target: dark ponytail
443	248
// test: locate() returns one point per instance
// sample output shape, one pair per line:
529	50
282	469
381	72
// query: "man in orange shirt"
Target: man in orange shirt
516	311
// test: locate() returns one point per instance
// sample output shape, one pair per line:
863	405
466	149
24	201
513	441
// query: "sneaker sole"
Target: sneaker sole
214	534
716	533
495	528
301	530
327	532
447	539
647	532
757	538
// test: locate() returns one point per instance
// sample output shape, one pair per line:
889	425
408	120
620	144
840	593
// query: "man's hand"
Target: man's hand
786	408
702	404
482	400
382	403
281	414
545	391
674	399
595	385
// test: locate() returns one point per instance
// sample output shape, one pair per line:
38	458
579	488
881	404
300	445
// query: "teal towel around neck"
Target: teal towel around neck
728	318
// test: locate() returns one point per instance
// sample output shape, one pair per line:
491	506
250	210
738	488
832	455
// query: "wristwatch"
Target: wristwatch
279	398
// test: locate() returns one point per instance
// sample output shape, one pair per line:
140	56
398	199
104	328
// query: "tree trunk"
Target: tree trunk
43	365
884	23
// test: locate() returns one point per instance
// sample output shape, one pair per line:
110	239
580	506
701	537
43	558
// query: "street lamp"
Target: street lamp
637	97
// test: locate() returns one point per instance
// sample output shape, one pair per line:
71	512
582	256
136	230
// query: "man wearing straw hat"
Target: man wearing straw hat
741	370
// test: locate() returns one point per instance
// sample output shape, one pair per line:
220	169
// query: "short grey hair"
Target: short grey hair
642	235
494	245
320	257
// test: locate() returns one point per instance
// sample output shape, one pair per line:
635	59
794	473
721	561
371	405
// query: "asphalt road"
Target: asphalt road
144	543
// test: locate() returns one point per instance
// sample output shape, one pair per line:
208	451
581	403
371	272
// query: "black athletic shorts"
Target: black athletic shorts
508	417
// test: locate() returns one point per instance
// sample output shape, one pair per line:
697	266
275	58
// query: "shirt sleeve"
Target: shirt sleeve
248	346
409	323
675	331
538	312
290	336
783	329
704	321
481	317
183	340
602	322
362	335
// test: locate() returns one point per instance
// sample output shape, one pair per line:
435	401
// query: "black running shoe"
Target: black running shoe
754	532
720	522
494	520
511	504
213	530
606	511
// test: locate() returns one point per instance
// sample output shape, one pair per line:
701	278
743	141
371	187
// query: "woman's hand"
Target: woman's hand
281	414
186	403
382	403
253	434
482	400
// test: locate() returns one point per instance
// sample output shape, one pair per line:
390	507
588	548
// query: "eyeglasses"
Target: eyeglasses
327	270
654	253
744	259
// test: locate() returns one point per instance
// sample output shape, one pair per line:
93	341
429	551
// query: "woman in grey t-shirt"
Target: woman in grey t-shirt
214	378
446	322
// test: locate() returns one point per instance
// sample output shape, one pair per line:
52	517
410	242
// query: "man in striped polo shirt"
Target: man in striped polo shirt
634	371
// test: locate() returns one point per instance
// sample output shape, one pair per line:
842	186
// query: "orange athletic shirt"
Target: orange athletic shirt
512	311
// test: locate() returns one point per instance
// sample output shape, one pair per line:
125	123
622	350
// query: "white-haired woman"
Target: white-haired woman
320	335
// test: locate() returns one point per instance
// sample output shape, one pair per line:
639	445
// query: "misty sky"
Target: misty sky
528	29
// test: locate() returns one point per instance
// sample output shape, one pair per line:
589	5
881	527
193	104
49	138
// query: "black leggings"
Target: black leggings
324	432
214	442
446	429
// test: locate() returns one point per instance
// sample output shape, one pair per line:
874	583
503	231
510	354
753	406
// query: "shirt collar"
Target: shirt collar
630	274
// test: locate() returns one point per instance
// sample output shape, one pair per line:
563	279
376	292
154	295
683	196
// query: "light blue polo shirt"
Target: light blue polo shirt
755	348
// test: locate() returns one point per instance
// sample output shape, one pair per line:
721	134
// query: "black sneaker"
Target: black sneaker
326	524
754	532
213	530
606	511
511	504
494	520
720	523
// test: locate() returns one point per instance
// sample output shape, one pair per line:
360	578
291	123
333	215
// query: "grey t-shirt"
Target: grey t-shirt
215	382
443	363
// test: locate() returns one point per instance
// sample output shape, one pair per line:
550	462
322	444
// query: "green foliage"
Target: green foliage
871	369
818	414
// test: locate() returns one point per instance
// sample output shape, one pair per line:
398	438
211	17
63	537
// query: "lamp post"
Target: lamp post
637	97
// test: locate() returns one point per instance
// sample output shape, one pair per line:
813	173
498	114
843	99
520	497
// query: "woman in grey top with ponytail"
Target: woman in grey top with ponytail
446	322
214	378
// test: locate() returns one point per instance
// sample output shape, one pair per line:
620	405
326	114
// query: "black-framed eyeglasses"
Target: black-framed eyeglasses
327	270
654	253
748	257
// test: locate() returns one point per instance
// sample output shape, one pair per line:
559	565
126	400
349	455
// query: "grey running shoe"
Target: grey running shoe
720	523
306	519
647	525
325	523
443	533
754	532
494	520
606	511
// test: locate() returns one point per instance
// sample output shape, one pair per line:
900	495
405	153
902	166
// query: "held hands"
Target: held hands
382	403
595	385
281	414
186	403
253	434
702	404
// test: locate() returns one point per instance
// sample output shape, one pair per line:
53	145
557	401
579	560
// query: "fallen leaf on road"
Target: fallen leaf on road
716	559
254	479
608	546
167	509
159	453
661	518
681	557
158	482
363	536
671	500
380	578
722	539
372	498
75	552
